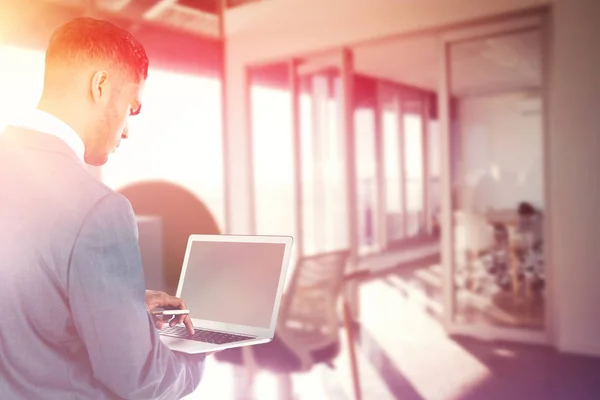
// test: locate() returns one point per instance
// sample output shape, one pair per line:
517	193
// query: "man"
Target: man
75	321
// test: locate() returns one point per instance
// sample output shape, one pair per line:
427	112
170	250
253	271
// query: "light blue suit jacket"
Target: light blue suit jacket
73	319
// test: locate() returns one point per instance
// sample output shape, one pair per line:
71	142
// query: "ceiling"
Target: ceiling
494	64
199	17
491	64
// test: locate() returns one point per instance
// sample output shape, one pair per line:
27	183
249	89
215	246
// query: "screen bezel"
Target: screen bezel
228	327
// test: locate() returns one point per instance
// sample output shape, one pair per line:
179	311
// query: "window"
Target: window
324	183
413	156
273	160
393	174
177	138
405	118
273	163
366	171
21	81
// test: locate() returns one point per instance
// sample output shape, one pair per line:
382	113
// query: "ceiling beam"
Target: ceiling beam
137	9
158	8
236	3
112	5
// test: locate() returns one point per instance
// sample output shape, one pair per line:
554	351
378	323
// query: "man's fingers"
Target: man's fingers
178	319
172	302
184	318
156	299
159	323
163	300
188	324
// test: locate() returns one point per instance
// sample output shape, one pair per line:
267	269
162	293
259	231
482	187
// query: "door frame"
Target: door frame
539	21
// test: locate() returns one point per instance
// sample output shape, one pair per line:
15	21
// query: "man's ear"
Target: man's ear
99	86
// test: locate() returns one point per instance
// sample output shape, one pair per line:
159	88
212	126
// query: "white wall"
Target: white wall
276	29
501	151
574	187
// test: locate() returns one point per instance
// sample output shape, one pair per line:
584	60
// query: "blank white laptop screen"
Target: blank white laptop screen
233	283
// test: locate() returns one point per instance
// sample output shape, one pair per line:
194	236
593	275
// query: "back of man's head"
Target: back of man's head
83	42
94	78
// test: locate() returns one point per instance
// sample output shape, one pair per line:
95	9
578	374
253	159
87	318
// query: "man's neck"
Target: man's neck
67	114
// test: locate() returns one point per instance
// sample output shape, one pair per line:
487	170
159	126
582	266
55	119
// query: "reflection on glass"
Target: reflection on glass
498	194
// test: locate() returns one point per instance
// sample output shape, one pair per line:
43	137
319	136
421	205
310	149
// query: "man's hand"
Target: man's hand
156	299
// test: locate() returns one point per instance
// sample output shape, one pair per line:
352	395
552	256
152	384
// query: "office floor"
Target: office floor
405	354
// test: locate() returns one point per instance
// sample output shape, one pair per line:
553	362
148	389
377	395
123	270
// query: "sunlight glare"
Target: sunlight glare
177	137
21	81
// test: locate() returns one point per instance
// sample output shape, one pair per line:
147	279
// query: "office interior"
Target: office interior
434	161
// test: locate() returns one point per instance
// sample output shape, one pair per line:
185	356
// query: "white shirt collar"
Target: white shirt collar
41	121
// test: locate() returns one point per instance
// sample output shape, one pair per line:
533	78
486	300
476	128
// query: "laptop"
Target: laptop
232	286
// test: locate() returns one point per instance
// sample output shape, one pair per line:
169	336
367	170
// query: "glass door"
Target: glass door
491	103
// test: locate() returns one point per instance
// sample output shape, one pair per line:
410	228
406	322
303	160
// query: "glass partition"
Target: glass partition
497	208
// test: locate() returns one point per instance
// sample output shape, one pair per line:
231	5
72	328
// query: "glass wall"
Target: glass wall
498	202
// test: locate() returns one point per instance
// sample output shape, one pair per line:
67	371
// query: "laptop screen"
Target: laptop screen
233	282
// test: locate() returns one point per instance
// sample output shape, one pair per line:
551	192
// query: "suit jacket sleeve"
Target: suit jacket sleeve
106	292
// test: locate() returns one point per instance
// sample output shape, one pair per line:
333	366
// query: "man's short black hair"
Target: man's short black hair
526	208
85	40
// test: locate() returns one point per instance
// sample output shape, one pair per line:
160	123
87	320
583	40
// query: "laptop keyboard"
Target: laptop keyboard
202	335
